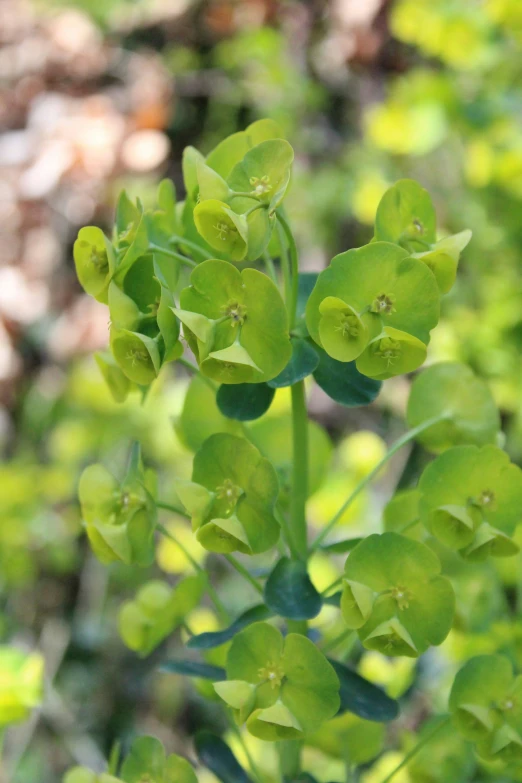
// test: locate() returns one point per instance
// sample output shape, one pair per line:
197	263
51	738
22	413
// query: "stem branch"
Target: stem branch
424	741
298	530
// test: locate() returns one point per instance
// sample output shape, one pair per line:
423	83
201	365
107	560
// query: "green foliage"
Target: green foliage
280	687
471	499
485	704
21	684
394	596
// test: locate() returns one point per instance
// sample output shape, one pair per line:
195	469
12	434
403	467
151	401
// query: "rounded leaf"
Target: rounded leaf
94	261
406	215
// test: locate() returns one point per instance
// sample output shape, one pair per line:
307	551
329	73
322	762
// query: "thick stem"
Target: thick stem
172	254
406	438
192	245
413	752
300	470
289	758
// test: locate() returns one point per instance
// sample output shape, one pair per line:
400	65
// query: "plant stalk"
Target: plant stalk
413	752
406	438
300	470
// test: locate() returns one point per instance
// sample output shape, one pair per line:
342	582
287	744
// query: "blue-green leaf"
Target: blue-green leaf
205	641
290	593
343	382
244	401
194	669
215	754
362	697
341	547
303	362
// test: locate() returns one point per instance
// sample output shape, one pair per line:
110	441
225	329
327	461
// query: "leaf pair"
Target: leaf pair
281	688
231	496
374	305
235	322
394	596
486	704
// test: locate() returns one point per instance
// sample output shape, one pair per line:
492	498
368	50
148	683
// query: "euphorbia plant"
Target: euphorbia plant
203	268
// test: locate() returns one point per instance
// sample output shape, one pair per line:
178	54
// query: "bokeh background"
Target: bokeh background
103	94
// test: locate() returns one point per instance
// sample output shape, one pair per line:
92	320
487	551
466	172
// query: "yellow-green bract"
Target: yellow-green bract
231	496
394	596
471	500
281	688
486	704
375	305
235	322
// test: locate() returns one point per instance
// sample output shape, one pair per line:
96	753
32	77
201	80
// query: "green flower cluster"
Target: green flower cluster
281	687
136	275
377	304
146	761
486	705
156	611
231	497
119	517
471	501
394	596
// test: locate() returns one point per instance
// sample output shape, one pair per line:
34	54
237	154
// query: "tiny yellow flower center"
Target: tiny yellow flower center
99	259
223	230
261	185
271	673
389	350
229	491
349	325
402	595
136	356
236	311
383	304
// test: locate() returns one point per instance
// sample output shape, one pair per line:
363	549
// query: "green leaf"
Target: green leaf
210	639
200	417
361	697
453	390
443	258
127	216
94	261
193	669
244	401
147	762
483	681
303	361
124	312
211	185
190	160
343	382
401	511
406	216
350	738
290	593
215	754
118	383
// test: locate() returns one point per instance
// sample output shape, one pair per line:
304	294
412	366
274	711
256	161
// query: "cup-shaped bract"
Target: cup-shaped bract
95	262
222	228
119	518
264	172
451	390
147	761
471	500
443	258
235	511
394	596
21	684
245	339
137	355
233	149
486	704
286	686
156	611
376	305
406	216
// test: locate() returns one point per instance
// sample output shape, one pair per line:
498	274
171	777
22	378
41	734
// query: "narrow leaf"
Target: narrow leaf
362	697
194	669
205	641
215	754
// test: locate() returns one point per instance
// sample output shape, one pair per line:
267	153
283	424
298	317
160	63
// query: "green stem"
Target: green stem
333	643
270	268
413	752
289	758
195	369
294	268
214	597
254	208
279	515
298	530
192	245
411	524
172	254
173	508
334	584
285	269
244	573
406	438
254	769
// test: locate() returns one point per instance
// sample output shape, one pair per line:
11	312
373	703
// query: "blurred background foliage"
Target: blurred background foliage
96	95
